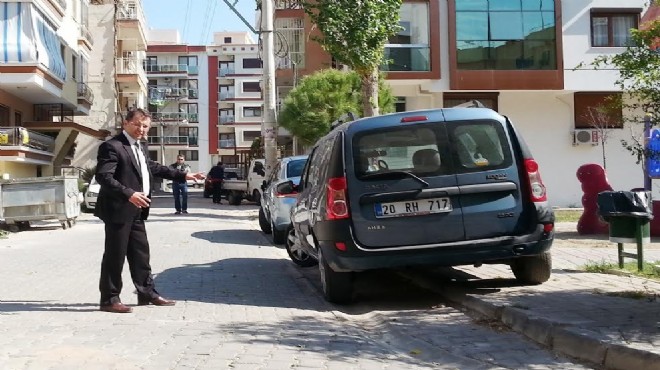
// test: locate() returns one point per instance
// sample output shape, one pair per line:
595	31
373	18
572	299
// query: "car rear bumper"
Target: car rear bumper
494	250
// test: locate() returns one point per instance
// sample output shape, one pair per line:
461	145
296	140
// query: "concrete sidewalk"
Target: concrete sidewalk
588	316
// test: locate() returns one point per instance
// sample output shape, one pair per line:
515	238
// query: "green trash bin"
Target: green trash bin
624	229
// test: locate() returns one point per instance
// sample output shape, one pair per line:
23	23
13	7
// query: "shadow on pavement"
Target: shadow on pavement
25	306
243	237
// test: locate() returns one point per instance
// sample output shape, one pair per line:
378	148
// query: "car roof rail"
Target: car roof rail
348	117
470	104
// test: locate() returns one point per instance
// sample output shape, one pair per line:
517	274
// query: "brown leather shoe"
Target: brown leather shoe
158	301
116	307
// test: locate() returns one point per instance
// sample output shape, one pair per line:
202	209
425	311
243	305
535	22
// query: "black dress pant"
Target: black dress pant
125	241
217	192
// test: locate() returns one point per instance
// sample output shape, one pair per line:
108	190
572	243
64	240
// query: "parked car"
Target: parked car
229	174
91	194
274	214
441	187
248	188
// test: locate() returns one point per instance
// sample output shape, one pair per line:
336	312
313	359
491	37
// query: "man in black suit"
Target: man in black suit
124	172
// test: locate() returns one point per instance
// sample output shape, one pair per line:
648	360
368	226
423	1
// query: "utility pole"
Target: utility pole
268	125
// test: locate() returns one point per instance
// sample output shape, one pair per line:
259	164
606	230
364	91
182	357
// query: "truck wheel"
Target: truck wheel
337	286
279	237
263	222
532	269
234	199
256	197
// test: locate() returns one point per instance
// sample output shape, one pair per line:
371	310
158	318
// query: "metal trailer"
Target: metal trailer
39	198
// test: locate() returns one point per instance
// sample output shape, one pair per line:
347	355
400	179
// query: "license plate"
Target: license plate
412	207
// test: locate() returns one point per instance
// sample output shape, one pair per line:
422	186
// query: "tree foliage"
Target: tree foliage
323	97
355	32
639	79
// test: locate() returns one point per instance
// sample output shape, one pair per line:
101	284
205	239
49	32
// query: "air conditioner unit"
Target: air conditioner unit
585	137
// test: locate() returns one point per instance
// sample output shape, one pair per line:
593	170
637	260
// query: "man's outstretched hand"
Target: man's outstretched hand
195	176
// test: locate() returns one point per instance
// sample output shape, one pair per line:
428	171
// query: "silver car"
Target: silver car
275	207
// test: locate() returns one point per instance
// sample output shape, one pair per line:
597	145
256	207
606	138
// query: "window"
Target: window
251	135
252	63
400	104
227	40
409	49
4	116
489	100
506	35
75	73
251	111
151	64
189	155
192	110
190	62
598	110
191	88
226	141
192	133
251	87
612	29
292	32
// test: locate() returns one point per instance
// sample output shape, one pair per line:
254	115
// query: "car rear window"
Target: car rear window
295	168
479	146
432	149
413	149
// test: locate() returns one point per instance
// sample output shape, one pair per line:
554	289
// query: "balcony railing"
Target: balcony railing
84	92
175	116
288	4
129	66
224	95
173	140
131	10
227	143
226	119
22	137
167	93
171	68
222	72
409	58
86	35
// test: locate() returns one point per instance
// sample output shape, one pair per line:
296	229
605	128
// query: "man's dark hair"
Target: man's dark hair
220	163
133	111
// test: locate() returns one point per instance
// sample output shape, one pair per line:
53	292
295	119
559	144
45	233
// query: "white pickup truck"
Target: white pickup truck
249	189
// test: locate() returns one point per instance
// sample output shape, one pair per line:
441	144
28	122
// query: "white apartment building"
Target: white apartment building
178	76
45	53
236	93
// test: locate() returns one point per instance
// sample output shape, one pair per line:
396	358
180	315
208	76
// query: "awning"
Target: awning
26	37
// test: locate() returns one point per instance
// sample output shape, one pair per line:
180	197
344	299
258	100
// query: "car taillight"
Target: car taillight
337	203
536	187
288	195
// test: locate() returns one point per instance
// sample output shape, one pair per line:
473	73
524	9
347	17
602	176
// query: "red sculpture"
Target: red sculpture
593	179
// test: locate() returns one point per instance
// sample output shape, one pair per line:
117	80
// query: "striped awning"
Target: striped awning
26	37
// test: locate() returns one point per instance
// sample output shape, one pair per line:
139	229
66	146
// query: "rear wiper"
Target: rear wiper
395	174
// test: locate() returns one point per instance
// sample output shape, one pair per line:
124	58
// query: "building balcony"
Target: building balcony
288	4
20	138
85	37
170	69
227	143
85	94
226	119
173	140
407	58
222	72
158	93
131	25
175	117
226	95
130	73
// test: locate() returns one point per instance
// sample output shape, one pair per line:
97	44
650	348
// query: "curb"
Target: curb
571	341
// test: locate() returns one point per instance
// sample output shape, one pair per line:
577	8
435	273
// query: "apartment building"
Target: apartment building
44	92
517	57
178	99
236	101
116	75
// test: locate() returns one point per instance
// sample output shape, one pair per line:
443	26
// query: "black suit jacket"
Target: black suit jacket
118	173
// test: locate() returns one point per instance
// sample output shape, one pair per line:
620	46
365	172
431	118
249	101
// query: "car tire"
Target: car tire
337	286
234	199
279	236
263	222
256	197
532	269
295	250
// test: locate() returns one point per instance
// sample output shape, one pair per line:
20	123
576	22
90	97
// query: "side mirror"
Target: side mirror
286	188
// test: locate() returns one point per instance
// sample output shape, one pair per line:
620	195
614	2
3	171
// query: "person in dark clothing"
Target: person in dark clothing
217	175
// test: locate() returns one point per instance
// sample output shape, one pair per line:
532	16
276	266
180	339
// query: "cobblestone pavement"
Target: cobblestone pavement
241	305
